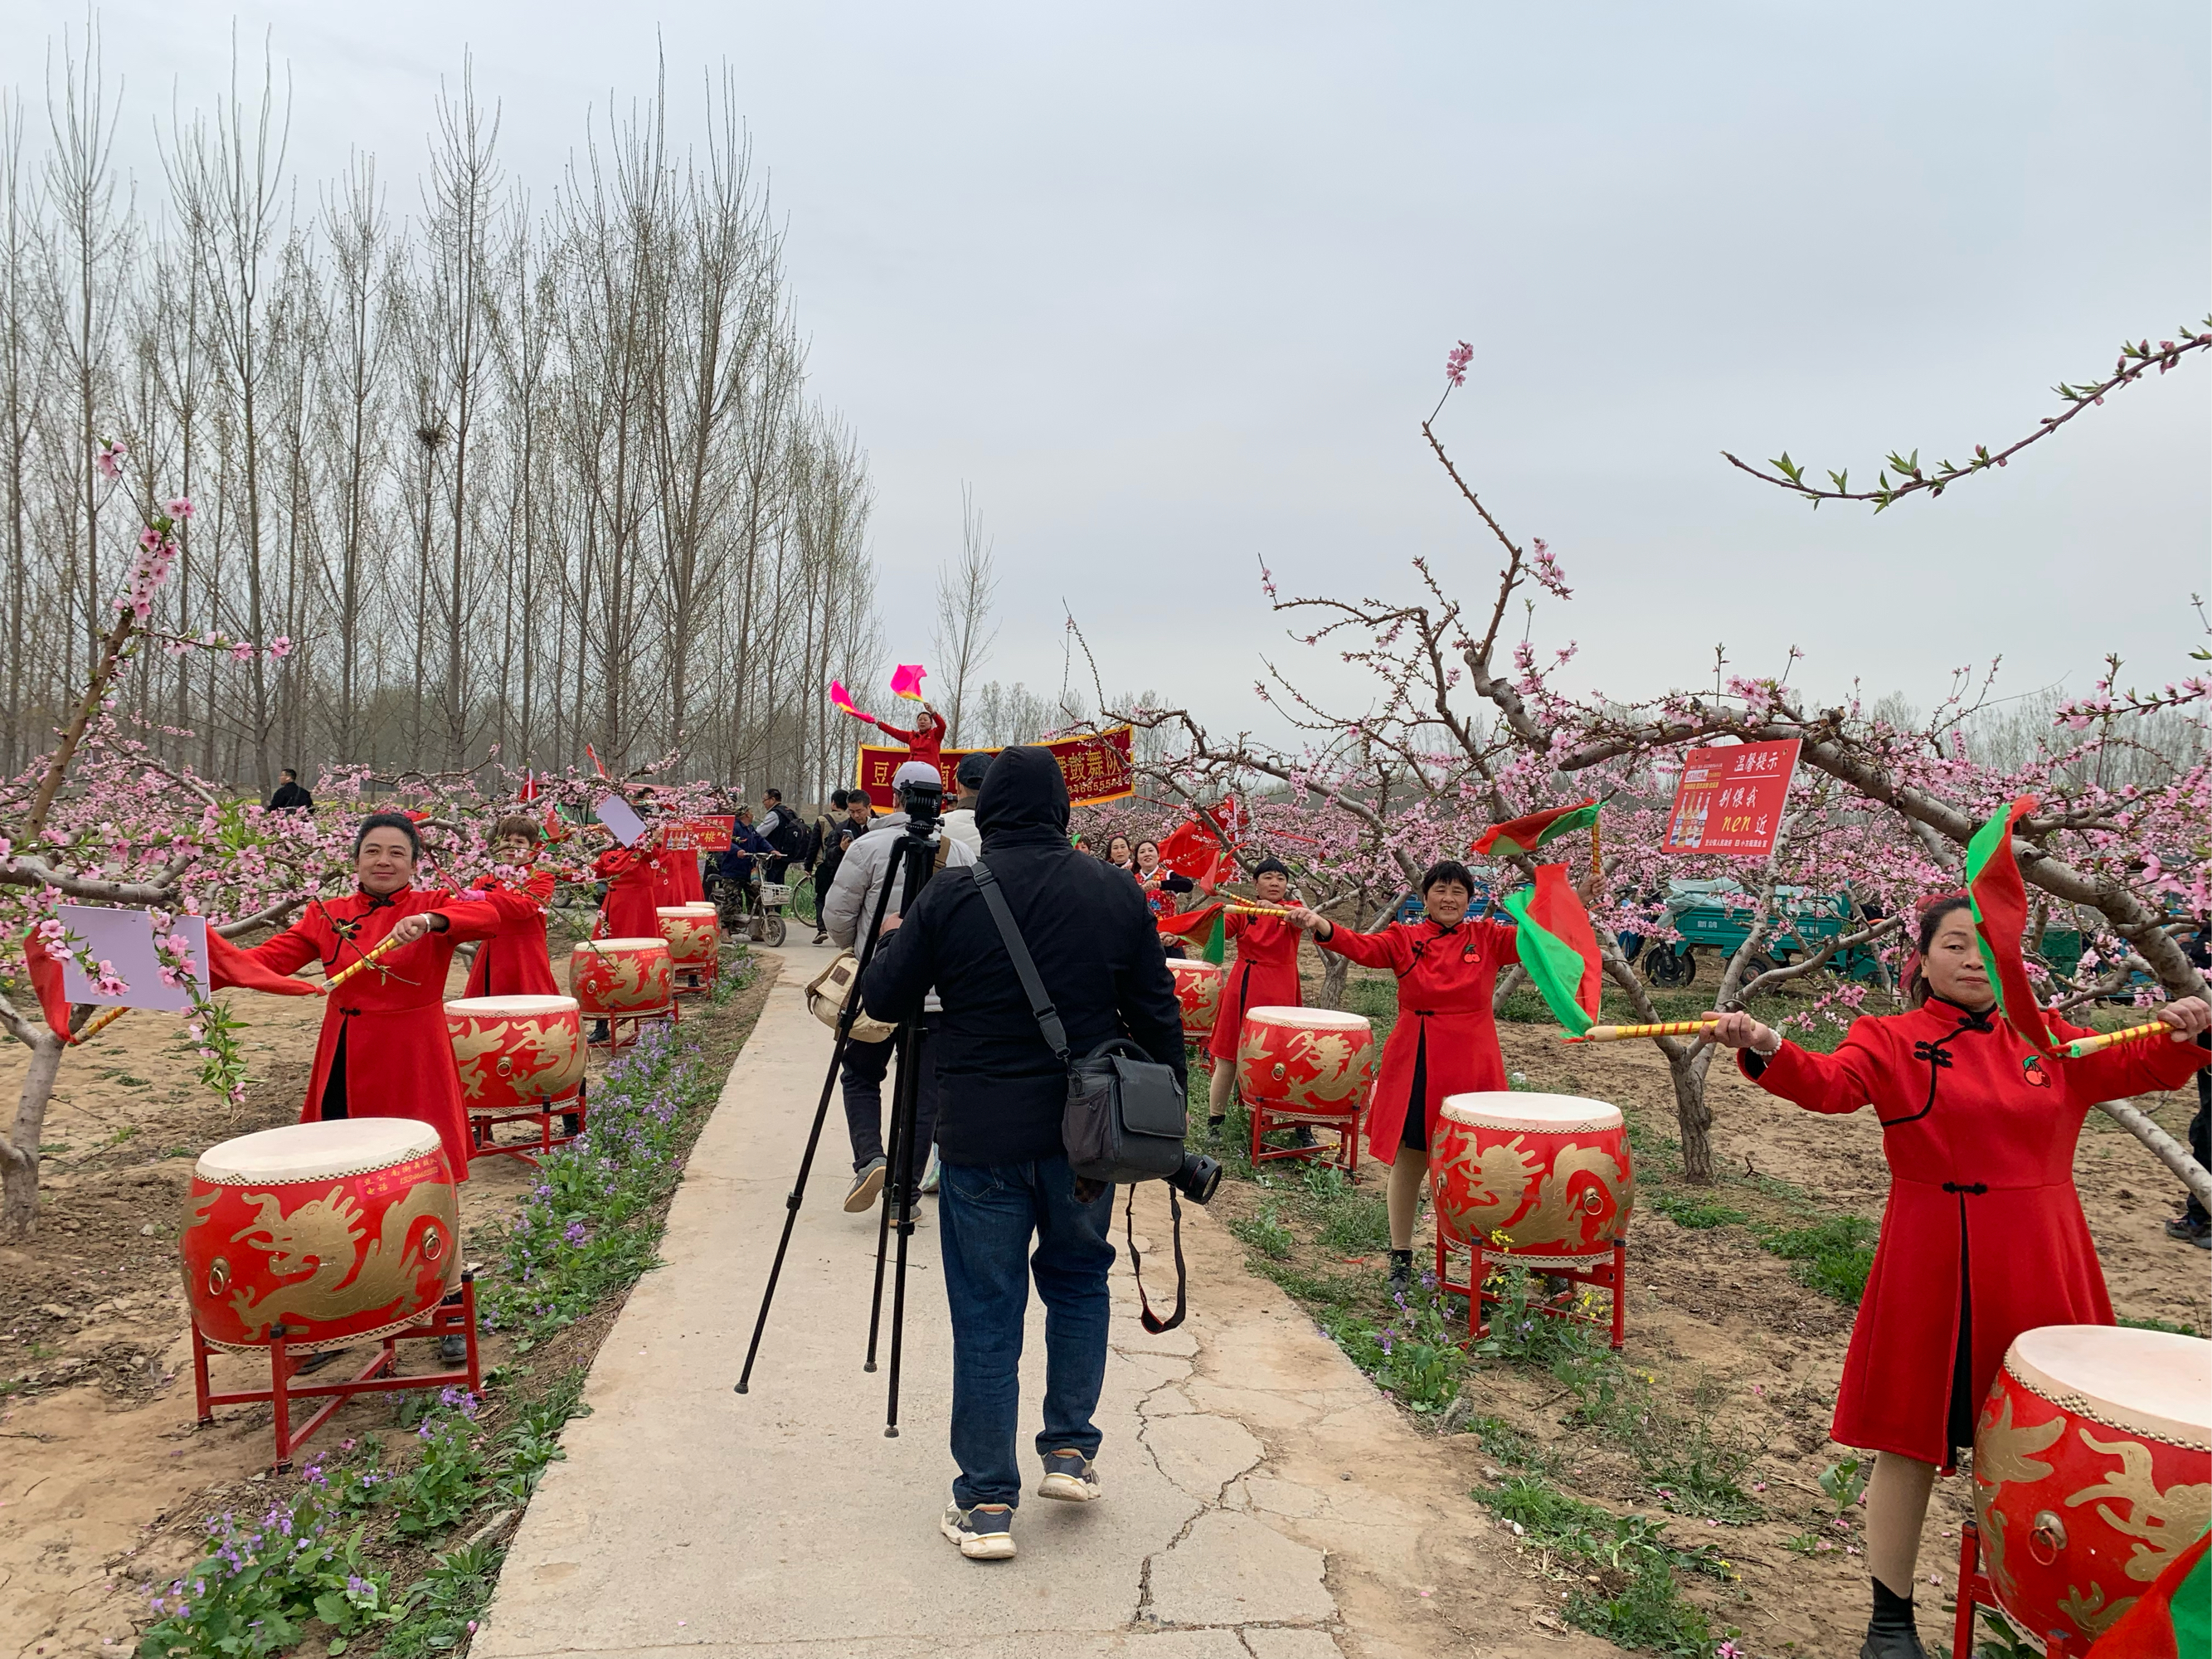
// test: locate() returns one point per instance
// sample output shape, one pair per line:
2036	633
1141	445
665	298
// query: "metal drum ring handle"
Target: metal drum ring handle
2046	1539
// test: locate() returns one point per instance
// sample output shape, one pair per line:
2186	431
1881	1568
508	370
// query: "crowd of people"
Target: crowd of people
1983	1238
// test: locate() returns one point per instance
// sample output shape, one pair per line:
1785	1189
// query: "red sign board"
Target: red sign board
1096	768
1731	801
707	834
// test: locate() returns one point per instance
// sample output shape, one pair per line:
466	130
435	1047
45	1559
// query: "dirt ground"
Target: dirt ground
1713	1305
104	1471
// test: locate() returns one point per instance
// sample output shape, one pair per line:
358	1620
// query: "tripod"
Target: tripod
916	856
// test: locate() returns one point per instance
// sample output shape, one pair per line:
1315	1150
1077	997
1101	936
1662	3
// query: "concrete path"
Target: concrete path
1261	1500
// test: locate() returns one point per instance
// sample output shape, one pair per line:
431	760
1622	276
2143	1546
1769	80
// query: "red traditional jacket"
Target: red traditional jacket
1446	977
1978	1131
637	885
925	742
1264	975
384	1051
517	961
683	878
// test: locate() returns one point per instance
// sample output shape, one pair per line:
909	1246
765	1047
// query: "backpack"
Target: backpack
788	836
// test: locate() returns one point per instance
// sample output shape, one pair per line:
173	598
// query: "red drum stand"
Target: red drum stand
381	1377
673	1013
1975	1591
1269	1116
1610	1275
571	1108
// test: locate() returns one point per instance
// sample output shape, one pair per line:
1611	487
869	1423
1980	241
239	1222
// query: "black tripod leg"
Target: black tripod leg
814	1136
909	1112
894	1176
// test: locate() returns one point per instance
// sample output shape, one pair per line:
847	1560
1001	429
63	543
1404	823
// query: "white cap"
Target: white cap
915	771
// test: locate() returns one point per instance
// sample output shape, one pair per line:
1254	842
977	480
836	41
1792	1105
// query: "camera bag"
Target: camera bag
1126	1113
833	987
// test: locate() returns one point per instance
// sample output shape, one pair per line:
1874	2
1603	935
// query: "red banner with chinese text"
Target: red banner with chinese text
1096	768
1731	801
707	834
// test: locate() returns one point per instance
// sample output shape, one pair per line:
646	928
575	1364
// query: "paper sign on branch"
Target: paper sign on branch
617	814
1731	801
125	939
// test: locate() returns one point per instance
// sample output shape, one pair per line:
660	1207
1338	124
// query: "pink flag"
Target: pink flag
906	681
843	699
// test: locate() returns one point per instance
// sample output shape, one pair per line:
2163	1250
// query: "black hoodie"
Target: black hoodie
1000	1091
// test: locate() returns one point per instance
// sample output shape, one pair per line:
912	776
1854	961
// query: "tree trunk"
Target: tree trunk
1693	1117
19	1157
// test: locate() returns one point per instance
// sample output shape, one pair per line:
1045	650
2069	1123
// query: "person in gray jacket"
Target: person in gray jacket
851	905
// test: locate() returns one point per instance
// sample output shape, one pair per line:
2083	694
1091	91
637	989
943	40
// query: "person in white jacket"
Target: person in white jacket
845	912
960	822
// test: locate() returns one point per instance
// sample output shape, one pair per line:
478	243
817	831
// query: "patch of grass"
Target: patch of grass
1265	1233
1696	1210
1509	1447
2151	1322
1412	1357
1833	1256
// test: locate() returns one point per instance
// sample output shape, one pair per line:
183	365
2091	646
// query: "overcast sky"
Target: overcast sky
1171	286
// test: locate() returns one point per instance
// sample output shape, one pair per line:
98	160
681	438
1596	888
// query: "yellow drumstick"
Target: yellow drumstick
100	1022
1623	1033
1256	910
353	968
2097	1044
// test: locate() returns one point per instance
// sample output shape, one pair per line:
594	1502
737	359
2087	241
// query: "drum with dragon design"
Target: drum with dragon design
515	1054
342	1232
693	932
1313	1060
2092	1470
1198	992
622	978
1541	1175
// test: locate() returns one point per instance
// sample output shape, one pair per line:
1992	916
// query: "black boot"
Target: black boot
1401	1272
1891	1633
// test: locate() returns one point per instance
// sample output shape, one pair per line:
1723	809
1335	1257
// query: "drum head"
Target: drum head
1510	1108
1182	967
1308	1019
683	912
313	1152
615	946
2155	1383
531	1007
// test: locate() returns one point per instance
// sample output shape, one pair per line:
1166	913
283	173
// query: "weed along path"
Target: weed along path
1262	1500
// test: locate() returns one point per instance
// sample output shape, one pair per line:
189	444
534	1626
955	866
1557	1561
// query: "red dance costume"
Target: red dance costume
518	963
1264	975
684	877
383	1050
637	885
1444	1035
925	742
1979	1134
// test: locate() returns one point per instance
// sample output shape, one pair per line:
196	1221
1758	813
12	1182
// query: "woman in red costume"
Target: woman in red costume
637	886
1983	1237
518	963
384	1051
1163	888
1445	1042
925	742
1264	975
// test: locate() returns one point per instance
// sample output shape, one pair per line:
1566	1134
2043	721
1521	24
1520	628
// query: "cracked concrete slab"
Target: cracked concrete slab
1261	1500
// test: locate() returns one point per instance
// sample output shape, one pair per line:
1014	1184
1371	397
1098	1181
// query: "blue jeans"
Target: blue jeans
986	1216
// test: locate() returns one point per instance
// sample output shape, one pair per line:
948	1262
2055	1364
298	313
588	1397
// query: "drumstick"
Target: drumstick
1623	1033
2092	1045
353	968
101	1022
1257	910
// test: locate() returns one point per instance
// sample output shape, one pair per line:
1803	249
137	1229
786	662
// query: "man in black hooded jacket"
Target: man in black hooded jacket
1004	1176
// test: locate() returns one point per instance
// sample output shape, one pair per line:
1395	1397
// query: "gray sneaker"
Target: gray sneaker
984	1533
866	1185
1069	1476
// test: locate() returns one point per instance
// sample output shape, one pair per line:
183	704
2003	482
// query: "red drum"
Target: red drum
693	932
1315	1061
516	1054
1198	989
341	1231
2092	1470
1549	1172
621	978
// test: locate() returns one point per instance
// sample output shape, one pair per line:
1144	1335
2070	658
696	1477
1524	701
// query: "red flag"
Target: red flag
529	787
1190	922
230	966
47	980
1527	835
1558	947
596	760
1999	899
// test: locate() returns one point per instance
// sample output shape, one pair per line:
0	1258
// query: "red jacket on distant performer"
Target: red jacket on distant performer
1446	977
1264	975
1978	1131
384	1051
636	888
925	742
516	962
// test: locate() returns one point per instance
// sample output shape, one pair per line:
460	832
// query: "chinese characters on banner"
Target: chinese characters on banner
1731	801
711	833
1096	768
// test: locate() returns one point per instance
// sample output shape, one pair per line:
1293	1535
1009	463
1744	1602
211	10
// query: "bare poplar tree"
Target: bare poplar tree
966	594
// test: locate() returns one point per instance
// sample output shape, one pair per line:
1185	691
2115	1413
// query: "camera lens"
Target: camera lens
1198	1178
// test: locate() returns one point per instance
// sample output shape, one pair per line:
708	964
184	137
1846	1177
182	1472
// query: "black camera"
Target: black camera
1198	1178
921	803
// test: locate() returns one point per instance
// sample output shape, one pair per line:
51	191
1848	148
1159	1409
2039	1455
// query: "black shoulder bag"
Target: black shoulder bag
1126	1113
